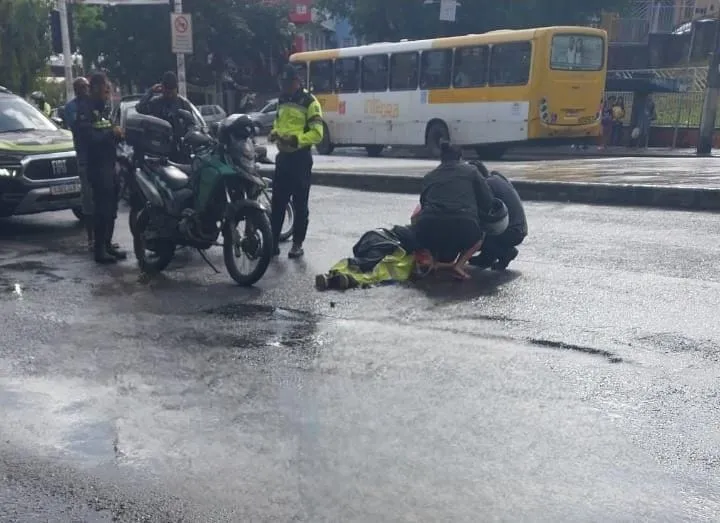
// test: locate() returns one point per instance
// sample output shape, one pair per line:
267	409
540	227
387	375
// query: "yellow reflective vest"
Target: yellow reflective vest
299	115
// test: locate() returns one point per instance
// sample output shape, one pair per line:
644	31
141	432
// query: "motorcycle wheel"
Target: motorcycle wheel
256	245
152	256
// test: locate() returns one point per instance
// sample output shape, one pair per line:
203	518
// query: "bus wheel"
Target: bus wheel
374	150
436	132
490	152
326	146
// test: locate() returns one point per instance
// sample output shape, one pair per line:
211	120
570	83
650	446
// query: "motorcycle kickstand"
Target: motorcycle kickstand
205	258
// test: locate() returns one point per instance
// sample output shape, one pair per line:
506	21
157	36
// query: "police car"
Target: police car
38	170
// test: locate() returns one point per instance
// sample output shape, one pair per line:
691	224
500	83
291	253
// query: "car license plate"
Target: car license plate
65	188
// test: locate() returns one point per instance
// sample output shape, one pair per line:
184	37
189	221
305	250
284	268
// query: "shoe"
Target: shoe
321	282
113	249
100	245
505	260
296	252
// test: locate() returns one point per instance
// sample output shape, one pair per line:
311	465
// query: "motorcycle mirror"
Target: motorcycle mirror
57	121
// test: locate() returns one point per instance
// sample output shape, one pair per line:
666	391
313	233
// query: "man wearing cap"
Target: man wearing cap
297	127
163	101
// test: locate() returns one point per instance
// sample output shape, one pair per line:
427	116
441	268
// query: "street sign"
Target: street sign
123	2
182	40
447	10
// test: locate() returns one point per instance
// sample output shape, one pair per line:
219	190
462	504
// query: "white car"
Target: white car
212	113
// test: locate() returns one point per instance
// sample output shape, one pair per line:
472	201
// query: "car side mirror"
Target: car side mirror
58	121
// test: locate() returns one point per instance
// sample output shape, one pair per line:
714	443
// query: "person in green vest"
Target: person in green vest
38	98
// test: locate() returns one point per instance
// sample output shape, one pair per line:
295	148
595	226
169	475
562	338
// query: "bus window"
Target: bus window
436	69
471	64
302	69
347	75
321	76
570	52
510	64
404	71
375	73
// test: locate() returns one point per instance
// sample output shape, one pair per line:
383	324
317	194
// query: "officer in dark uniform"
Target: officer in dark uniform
99	138
297	127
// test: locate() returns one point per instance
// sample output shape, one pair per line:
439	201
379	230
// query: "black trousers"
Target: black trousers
292	182
447	236
496	247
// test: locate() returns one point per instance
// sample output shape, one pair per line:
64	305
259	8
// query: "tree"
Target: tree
24	42
230	36
382	20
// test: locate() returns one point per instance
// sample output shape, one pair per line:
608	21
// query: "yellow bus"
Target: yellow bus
487	91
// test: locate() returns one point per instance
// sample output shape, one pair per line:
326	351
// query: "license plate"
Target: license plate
586	120
66	188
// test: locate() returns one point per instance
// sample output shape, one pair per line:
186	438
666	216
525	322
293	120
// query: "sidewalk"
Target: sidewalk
595	152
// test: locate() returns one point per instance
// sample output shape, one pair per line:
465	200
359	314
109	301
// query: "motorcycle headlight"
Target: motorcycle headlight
8	172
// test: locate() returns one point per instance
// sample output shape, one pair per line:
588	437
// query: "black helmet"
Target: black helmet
235	126
38	96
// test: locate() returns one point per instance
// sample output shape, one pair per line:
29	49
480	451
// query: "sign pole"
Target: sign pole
67	52
182	83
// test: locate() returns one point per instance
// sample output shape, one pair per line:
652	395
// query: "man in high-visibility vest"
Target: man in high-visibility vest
297	127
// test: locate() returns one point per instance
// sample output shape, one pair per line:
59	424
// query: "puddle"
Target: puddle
236	311
610	356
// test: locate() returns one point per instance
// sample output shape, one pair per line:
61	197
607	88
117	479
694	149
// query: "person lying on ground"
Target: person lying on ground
498	251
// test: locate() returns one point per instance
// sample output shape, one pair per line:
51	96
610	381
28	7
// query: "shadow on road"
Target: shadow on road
444	289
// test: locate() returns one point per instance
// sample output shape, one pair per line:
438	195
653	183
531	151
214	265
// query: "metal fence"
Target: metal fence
676	110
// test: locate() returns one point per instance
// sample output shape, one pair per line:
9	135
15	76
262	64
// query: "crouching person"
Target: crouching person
498	251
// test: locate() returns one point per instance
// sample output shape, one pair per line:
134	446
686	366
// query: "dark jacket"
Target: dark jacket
374	245
504	191
157	105
96	142
455	188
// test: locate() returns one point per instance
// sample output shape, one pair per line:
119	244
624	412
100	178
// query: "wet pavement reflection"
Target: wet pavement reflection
581	385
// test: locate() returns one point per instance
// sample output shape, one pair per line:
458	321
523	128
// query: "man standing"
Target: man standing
82	91
297	127
98	138
163	101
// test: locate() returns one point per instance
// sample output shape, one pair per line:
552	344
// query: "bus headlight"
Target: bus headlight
7	172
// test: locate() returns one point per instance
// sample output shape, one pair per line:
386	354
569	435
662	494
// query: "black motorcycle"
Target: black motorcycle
193	204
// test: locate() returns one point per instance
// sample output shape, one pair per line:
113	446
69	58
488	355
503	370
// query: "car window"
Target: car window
269	108
206	110
17	114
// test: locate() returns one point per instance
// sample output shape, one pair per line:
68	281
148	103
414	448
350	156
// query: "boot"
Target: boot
113	249
100	247
90	230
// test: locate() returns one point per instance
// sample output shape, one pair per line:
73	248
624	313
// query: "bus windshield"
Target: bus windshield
577	52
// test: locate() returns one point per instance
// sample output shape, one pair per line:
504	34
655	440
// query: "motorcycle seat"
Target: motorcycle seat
184	167
174	177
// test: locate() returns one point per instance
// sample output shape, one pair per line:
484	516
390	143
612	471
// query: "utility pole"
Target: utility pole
182	81
67	52
710	105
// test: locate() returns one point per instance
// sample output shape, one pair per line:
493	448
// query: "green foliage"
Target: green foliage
382	20
133	43
24	43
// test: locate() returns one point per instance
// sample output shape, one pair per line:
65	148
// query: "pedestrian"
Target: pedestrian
618	117
498	251
163	101
649	115
81	87
607	121
38	98
297	127
98	139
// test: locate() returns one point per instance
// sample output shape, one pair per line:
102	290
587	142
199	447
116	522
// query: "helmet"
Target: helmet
38	96
237	126
496	221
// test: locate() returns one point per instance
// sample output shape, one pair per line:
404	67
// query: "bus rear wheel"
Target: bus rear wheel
374	151
490	152
325	147
436	133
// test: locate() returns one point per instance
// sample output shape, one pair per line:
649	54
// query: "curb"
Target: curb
657	196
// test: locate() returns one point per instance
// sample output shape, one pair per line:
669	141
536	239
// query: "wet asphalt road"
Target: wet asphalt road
580	386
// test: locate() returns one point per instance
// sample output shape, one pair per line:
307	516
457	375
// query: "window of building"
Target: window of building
510	64
404	71
321	76
471	66
347	75
436	69
375	73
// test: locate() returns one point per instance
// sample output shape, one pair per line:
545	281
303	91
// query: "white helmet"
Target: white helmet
496	221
